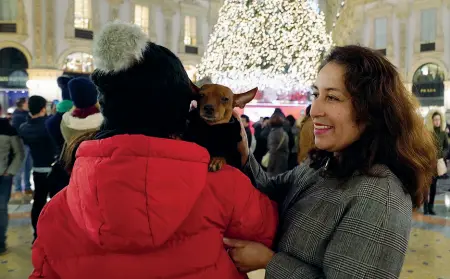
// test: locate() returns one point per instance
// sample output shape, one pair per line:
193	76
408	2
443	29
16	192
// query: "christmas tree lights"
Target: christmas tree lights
273	44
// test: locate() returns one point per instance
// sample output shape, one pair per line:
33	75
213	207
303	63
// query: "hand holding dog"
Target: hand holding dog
243	144
248	255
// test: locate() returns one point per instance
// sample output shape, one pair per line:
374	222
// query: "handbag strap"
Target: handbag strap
63	149
281	142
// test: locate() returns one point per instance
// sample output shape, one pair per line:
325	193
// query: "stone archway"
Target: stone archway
428	84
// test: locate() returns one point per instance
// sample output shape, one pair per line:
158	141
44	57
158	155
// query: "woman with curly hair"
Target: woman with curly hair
346	211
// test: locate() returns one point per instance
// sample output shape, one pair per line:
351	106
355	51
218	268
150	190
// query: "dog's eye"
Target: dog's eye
201	95
225	99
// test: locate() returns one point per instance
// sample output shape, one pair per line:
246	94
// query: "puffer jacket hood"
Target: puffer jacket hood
157	199
429	120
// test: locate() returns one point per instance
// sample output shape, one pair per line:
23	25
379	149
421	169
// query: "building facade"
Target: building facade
43	39
413	34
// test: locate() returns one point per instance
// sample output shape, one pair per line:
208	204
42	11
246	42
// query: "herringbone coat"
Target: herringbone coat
358	229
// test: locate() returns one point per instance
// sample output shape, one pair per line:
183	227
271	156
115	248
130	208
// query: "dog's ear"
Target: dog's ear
195	91
240	100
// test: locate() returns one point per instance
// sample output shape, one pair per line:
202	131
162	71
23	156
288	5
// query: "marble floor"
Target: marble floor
428	255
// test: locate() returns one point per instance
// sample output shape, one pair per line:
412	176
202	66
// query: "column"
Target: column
168	27
396	39
447	94
446	34
114	9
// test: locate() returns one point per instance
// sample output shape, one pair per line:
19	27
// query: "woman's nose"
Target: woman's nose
316	109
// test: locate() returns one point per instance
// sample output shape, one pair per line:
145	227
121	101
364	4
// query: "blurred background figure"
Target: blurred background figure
85	115
11	158
278	145
34	134
305	136
293	142
436	123
53	123
246	122
22	184
262	130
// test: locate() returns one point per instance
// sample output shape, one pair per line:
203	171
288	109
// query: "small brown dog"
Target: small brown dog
213	126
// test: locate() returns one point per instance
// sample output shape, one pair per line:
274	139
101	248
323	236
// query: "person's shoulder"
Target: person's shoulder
227	180
226	174
381	186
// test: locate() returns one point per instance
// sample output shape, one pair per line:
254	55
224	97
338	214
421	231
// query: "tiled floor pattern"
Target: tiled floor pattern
428	255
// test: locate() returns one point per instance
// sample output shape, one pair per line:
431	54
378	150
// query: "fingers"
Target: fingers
236	257
234	243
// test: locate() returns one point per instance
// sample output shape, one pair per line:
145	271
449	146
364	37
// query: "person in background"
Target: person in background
438	130
53	123
22	183
11	158
85	115
278	146
246	121
257	127
305	136
35	135
293	142
261	139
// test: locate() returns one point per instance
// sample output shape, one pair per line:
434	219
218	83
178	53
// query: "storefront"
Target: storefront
428	85
78	64
13	76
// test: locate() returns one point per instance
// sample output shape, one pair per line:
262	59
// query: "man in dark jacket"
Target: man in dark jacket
11	157
246	122
22	178
35	135
53	123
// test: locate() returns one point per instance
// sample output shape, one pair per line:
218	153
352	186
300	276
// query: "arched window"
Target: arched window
428	85
13	66
79	62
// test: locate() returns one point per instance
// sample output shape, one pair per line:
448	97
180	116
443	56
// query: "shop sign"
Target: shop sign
428	90
16	79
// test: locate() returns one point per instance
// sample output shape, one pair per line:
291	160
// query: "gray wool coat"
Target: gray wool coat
279	151
329	229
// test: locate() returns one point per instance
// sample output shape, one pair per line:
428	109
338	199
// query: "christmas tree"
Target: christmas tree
273	44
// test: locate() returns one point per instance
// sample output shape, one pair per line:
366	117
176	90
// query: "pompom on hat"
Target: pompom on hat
62	83
133	73
82	92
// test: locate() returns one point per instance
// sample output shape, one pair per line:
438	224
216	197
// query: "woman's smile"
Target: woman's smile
320	129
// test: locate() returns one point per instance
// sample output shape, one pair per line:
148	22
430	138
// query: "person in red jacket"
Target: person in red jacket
141	202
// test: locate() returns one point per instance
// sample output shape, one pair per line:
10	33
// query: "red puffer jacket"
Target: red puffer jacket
141	207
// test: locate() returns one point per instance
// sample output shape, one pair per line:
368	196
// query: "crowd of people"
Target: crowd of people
33	139
331	197
284	140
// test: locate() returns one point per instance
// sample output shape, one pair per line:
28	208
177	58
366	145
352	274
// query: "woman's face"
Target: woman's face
437	121
332	111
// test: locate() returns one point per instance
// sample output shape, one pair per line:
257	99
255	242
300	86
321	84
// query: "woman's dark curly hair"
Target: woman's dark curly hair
394	135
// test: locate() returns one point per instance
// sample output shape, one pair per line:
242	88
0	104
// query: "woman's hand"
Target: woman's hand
243	144
247	255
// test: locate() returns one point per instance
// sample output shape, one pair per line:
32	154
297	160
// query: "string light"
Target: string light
273	44
338	14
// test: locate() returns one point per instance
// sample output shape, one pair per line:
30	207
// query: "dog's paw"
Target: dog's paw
216	164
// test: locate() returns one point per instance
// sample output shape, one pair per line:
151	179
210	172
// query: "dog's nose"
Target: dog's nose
209	109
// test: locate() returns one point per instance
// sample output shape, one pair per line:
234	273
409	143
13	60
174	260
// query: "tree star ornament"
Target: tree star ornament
274	44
